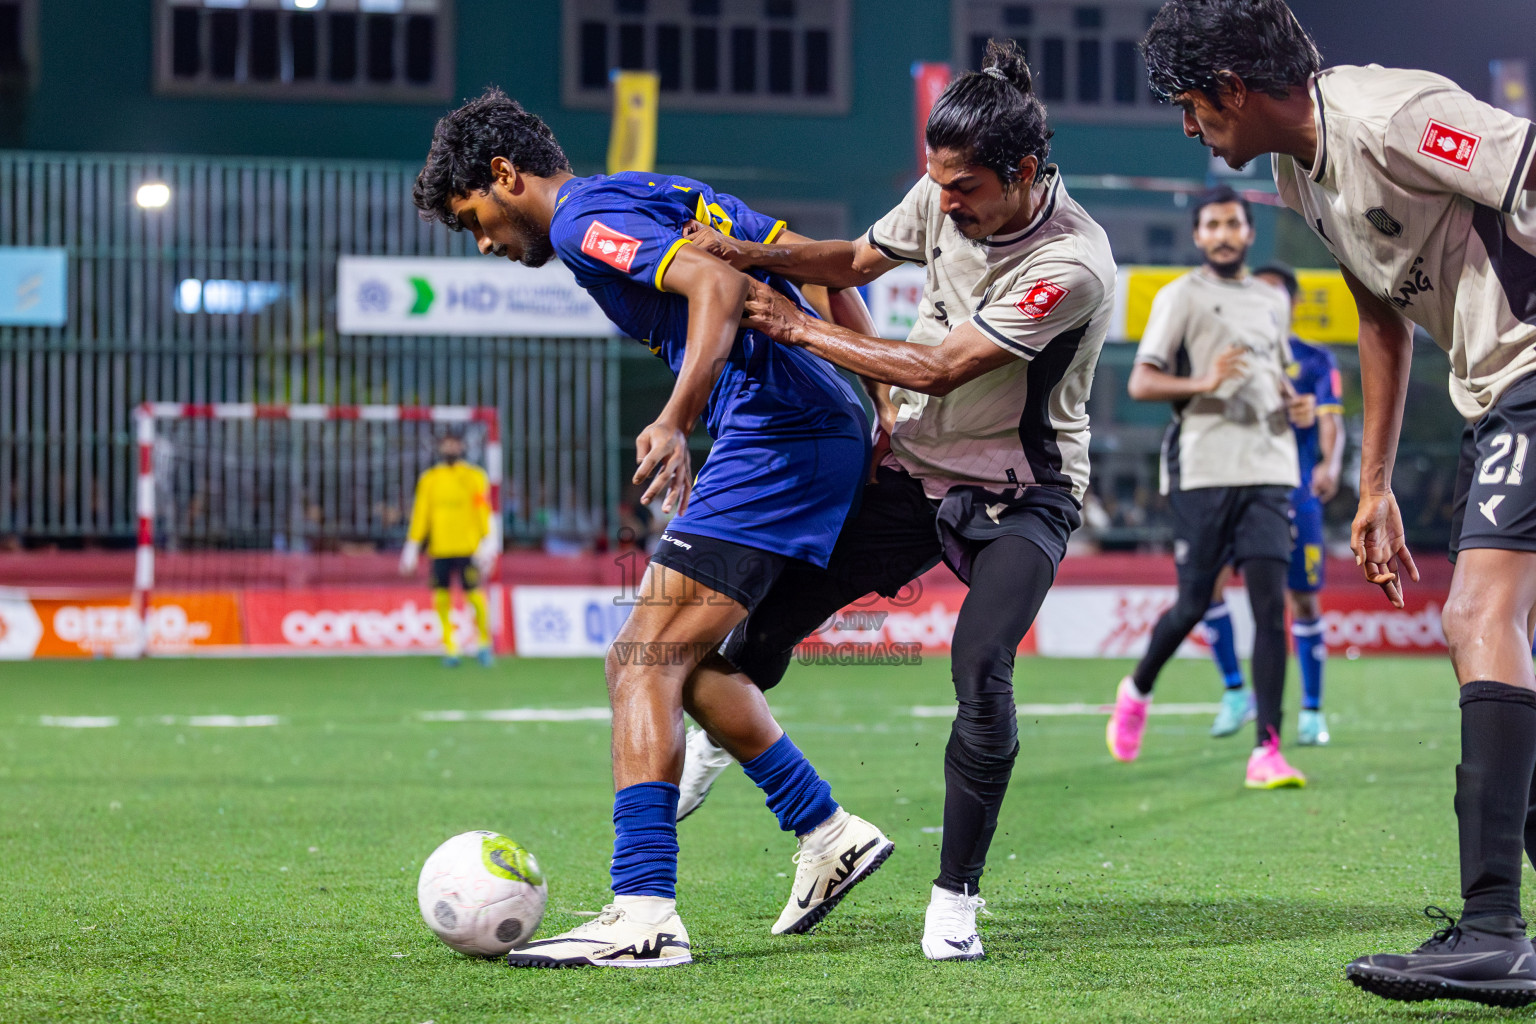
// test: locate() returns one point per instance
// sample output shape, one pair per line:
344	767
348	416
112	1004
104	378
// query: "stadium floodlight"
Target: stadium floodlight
238	495
152	195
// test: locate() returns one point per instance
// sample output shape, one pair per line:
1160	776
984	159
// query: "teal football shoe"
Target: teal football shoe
1236	711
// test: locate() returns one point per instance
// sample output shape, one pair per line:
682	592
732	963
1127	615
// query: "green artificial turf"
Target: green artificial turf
157	870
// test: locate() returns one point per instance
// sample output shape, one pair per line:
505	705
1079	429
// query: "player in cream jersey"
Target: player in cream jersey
1237	439
988	435
1025	422
1215	346
1424	195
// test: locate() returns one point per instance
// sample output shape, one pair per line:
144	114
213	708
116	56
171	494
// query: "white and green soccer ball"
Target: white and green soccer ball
482	893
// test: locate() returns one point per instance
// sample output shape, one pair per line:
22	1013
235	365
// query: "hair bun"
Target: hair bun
1004	60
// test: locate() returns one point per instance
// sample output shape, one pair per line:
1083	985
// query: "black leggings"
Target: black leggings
1265	579
1009	580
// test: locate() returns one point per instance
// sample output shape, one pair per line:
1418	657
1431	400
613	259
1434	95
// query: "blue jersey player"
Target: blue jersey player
1320	449
789	457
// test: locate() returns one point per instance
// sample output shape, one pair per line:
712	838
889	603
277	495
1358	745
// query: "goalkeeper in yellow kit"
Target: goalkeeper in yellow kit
452	514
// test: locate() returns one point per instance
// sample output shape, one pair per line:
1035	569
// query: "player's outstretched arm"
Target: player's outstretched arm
835	264
715	294
1386	350
1147	383
963	355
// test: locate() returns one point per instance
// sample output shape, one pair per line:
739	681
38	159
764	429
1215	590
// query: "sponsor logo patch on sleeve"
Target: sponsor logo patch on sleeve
1449	145
1043	297
614	248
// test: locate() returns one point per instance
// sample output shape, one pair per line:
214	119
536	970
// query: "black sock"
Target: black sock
1498	758
1265	579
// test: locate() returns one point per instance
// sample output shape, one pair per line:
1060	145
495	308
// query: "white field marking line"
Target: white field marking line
1063	710
521	715
79	721
224	721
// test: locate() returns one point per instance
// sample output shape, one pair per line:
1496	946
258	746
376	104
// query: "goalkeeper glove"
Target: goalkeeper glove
408	556
485	554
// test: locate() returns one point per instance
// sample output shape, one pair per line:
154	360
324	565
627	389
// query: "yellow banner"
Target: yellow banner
1324	312
632	141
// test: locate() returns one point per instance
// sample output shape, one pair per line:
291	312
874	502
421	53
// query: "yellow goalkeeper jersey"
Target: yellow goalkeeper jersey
453	508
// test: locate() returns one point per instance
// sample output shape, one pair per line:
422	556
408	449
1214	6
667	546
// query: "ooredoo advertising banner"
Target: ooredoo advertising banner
355	620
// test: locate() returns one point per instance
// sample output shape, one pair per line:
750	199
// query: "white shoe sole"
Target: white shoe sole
534	960
957	956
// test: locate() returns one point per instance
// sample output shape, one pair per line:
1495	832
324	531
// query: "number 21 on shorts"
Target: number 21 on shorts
1493	471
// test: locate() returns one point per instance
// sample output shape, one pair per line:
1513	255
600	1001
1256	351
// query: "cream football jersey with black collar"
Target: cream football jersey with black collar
1043	294
1418	189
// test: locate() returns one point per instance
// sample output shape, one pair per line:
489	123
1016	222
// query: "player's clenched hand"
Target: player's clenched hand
771	312
1325	483
1380	547
732	250
1231	364
1302	410
662	450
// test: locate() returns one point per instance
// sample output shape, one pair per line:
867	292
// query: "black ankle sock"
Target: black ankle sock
1498	756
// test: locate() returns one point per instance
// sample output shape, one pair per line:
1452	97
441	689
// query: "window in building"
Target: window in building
18	42
393	50
787	56
1084	58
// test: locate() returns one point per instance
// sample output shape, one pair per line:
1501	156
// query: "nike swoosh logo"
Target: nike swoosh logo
963	945
810	894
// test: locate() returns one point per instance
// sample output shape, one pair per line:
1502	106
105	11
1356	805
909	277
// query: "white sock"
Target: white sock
648	910
1128	689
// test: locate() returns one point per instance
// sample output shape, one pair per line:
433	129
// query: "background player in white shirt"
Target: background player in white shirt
1215	346
1424	195
986	424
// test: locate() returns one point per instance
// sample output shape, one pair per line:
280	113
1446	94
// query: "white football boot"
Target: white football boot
632	931
833	858
949	927
702	764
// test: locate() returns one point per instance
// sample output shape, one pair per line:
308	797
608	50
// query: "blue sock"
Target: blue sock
800	798
645	840
1218	633
1311	652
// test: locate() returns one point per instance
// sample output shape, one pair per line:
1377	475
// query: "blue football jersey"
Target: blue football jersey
1313	371
791	437
619	233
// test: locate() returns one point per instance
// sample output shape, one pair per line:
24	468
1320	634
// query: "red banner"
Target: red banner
929	81
380	619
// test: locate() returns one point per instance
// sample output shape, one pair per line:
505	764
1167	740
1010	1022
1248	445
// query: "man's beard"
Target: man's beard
1228	268
537	248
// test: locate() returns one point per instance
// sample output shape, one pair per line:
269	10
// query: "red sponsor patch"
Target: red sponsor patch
1042	298
614	248
1449	145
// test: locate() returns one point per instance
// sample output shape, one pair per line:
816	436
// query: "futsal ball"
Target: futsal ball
482	893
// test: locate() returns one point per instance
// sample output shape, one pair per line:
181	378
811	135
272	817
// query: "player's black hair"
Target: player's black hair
993	115
1284	273
1220	194
464	143
1192	42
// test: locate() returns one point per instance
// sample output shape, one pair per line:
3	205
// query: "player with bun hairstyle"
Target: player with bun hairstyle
1424	195
983	435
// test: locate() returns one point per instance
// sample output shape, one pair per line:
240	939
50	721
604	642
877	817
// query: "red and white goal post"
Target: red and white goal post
243	497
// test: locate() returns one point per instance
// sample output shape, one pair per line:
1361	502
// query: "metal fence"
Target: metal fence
258	241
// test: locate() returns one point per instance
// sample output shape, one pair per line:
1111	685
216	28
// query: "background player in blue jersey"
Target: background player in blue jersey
789	458
1314	373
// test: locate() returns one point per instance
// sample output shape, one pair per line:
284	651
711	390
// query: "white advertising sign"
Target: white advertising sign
566	622
1116	622
474	296
894	298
